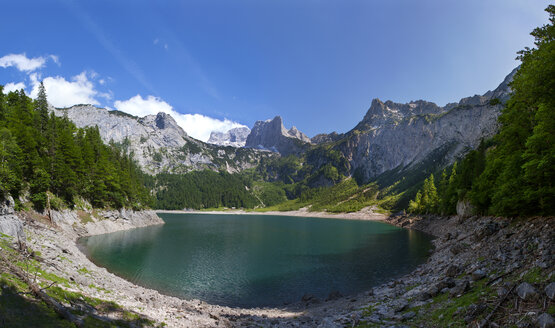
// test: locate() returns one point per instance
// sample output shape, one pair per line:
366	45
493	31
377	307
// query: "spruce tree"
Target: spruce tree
42	107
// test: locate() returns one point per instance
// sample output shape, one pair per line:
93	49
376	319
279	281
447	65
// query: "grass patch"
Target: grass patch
450	312
84	217
535	276
84	270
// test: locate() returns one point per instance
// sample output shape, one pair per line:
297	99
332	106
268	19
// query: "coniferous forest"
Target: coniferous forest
49	162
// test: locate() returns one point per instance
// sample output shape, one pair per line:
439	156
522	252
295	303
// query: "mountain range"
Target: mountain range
390	137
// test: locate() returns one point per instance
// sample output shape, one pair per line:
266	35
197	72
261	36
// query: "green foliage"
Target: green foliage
269	193
427	199
346	196
202	189
48	155
494	102
519	174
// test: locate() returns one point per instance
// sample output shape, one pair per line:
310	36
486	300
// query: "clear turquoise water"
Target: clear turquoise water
258	260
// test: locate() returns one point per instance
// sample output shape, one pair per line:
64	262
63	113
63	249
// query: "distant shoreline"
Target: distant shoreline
366	214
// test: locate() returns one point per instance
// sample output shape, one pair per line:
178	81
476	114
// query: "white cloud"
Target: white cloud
13	87
22	63
64	93
196	125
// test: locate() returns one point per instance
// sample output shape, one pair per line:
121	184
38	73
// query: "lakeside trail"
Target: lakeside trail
457	284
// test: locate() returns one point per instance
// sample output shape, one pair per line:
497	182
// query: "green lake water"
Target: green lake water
258	260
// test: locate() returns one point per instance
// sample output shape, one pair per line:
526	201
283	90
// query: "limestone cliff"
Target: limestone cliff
272	135
399	136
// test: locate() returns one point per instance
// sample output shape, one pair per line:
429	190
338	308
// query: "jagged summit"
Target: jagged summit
272	135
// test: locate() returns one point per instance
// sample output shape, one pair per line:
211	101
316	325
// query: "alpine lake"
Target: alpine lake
258	260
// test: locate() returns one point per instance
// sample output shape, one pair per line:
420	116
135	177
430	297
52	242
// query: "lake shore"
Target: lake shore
365	214
401	300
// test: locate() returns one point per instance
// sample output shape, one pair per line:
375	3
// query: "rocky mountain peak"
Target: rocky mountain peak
272	135
381	113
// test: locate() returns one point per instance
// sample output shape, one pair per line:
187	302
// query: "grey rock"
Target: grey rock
400	305
478	275
408	316
457	248
328	323
452	270
424	296
401	136
236	137
487	230
433	291
445	283
272	135
461	288
325	138
550	290
464	208
502	291
10	224
545	320
526	291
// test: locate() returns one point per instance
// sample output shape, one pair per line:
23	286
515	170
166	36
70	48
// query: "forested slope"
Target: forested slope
45	161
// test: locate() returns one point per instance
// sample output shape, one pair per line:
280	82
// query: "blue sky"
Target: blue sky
318	64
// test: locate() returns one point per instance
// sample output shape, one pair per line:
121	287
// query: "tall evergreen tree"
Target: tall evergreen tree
42	107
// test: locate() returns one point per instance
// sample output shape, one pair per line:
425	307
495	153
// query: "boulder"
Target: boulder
526	291
550	290
464	208
460	289
10	224
545	320
478	275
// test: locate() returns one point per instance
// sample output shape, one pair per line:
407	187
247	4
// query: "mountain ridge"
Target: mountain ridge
158	143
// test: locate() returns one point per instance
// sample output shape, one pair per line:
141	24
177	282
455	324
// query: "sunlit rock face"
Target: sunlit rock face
158	143
397	136
272	135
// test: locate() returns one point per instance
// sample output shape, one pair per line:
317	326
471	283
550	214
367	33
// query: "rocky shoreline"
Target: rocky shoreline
468	254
